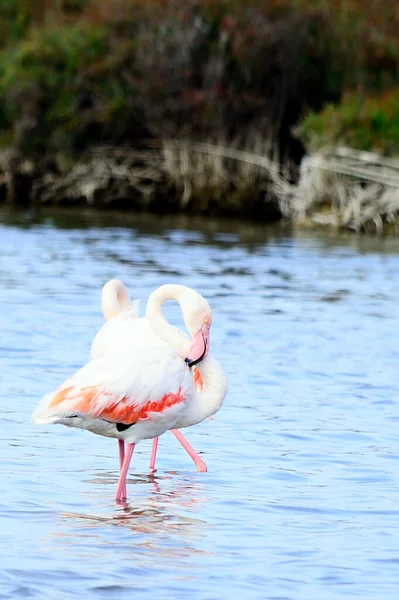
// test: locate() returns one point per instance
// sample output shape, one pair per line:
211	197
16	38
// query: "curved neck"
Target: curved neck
208	401
114	299
169	334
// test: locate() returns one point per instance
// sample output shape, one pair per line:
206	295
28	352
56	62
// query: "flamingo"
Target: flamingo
128	330
141	391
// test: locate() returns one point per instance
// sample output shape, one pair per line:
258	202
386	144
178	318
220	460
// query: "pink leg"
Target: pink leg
121	445
153	454
199	463
121	489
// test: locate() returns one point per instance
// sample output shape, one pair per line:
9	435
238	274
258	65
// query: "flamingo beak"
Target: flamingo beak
199	345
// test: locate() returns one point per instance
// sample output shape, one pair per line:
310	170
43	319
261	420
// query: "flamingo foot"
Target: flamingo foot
121	489
201	466
153	455
199	463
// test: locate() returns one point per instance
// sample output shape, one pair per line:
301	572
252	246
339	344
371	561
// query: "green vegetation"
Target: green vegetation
61	89
370	123
78	72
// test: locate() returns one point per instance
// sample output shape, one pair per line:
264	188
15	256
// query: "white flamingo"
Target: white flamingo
143	389
124	329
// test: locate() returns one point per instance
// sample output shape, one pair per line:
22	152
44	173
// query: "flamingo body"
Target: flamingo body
111	392
144	377
125	332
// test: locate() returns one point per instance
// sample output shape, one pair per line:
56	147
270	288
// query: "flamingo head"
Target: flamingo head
199	344
197	316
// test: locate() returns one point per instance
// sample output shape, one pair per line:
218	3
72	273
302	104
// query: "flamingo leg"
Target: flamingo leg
121	445
199	463
121	489
153	454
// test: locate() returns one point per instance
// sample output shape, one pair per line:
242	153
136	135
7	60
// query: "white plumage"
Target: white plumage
138	383
111	391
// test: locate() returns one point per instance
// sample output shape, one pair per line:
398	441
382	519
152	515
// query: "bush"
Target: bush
61	88
364	123
74	73
15	19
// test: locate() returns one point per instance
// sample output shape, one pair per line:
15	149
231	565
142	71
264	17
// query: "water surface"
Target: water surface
301	500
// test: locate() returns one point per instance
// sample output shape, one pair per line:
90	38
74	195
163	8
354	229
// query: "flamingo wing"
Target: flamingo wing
119	390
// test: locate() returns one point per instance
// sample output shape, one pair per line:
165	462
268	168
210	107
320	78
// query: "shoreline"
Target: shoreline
342	190
250	232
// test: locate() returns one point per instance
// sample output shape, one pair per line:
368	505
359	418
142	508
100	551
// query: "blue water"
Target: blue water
301	500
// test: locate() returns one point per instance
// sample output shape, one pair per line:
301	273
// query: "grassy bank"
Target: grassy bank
150	78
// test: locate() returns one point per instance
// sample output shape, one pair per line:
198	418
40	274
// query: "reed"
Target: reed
347	190
335	192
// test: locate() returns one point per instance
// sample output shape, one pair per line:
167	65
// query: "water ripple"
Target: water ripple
301	500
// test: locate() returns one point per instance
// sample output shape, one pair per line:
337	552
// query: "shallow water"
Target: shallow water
301	500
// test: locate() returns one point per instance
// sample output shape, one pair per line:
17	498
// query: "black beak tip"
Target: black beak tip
188	362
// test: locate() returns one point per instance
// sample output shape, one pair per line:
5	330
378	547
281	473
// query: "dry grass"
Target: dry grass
105	176
196	168
337	193
345	190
